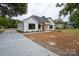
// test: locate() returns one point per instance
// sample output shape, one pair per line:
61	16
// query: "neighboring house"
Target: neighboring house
71	24
35	23
59	23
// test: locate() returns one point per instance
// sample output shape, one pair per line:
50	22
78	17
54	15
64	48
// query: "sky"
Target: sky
42	9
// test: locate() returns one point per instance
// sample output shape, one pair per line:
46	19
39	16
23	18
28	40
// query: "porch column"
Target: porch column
53	27
41	27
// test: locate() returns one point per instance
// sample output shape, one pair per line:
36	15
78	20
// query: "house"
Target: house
59	23
71	25
36	23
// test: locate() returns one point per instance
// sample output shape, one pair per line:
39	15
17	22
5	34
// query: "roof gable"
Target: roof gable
32	18
51	21
40	19
37	18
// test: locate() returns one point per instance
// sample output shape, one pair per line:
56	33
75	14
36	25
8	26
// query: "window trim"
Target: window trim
51	27
31	26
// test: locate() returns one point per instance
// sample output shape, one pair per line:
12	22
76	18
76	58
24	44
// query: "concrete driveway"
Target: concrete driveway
15	44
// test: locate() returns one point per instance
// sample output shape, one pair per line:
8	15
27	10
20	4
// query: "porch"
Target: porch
45	27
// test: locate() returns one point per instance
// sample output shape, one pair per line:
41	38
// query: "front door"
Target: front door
46	27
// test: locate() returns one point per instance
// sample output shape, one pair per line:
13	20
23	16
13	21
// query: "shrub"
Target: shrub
19	31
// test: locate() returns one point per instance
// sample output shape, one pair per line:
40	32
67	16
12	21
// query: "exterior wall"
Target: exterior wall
53	27
46	26
21	27
30	21
41	27
51	23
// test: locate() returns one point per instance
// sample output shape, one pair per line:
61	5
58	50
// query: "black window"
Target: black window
51	26
39	26
31	26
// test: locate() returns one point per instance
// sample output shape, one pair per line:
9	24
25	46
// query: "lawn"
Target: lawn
61	43
71	31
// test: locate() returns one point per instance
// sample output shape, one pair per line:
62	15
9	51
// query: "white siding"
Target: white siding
52	23
30	21
21	27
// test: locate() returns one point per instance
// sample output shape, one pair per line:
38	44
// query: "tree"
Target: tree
12	9
71	9
4	22
8	22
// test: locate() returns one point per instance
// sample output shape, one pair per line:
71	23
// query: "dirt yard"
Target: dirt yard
57	42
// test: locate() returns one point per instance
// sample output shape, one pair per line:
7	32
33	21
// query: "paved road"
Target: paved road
15	44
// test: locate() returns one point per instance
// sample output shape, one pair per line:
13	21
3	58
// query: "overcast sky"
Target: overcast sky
42	9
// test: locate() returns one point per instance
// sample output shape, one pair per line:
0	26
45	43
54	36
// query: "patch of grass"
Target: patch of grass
57	30
70	31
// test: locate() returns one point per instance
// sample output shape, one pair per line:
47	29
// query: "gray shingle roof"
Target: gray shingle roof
40	19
